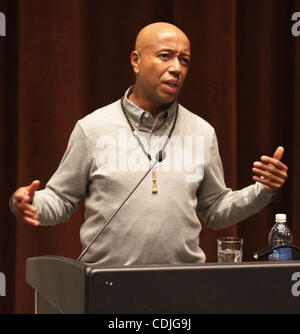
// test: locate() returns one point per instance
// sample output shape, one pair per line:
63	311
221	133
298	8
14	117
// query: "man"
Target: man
110	149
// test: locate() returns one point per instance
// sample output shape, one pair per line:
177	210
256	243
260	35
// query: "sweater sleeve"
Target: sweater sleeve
69	184
219	206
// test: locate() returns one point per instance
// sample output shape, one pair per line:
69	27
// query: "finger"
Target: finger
26	206
281	173
271	186
278	153
26	214
278	164
31	221
31	214
268	176
33	187
266	182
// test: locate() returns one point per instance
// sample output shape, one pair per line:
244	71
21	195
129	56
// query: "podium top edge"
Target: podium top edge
191	266
197	266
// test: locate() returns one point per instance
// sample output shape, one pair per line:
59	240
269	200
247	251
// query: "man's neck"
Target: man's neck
154	110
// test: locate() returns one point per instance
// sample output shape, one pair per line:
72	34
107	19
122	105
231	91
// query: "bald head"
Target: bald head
153	33
160	61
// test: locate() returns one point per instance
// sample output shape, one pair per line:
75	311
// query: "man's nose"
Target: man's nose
175	67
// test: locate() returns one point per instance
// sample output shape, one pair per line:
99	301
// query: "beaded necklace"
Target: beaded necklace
148	155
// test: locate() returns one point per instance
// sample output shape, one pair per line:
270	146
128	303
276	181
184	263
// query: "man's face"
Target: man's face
162	66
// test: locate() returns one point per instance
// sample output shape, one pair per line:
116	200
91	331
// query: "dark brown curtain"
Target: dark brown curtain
61	59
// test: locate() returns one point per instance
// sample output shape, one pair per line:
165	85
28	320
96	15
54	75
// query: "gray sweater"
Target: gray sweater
103	162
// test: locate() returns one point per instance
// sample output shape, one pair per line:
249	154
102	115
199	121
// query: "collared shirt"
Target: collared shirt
104	162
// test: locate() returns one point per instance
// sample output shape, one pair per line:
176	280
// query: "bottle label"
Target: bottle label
281	254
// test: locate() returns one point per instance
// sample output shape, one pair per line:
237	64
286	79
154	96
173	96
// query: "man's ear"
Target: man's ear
135	61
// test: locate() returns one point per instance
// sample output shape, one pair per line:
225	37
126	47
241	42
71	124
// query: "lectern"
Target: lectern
64	285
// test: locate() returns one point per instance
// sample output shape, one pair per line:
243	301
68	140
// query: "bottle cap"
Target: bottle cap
280	218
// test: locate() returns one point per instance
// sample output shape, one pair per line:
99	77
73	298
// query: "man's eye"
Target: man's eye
164	56
186	61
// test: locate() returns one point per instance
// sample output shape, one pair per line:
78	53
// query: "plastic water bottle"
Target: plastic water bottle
280	234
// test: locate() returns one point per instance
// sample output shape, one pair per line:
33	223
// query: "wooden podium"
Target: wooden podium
64	285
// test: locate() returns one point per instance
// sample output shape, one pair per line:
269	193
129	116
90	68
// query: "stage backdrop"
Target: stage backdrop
62	59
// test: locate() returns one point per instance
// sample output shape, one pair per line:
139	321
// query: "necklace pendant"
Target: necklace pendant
154	185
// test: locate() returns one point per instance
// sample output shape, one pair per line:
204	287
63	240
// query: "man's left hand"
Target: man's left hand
271	172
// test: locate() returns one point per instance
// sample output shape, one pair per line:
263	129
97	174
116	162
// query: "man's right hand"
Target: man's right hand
21	204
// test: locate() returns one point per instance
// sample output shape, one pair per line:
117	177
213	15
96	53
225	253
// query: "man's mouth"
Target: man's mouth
171	84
